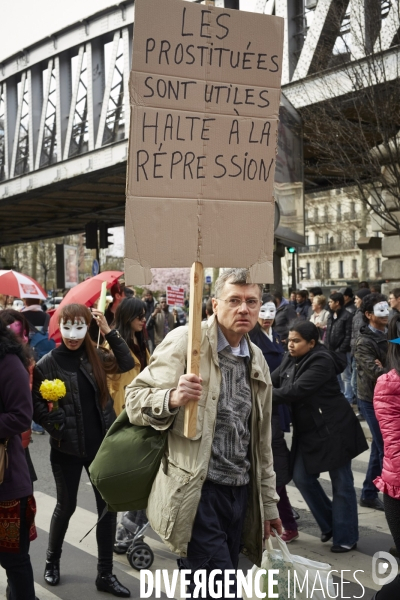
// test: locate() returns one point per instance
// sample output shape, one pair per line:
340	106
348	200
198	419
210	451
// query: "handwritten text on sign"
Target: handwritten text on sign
196	137
204	93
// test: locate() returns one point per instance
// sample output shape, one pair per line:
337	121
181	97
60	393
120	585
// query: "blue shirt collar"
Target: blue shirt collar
375	330
224	344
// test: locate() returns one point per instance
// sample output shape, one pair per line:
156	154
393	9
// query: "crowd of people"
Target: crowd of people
269	366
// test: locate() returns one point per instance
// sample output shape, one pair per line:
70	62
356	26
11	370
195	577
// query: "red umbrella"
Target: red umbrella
85	293
16	284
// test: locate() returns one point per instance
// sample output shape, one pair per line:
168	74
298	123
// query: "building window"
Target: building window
338	212
327	238
354	268
328	269
308	270
326	216
316	215
378	263
353	237
317	270
341	272
353	210
307	240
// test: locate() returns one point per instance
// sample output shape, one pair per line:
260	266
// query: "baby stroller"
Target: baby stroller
130	539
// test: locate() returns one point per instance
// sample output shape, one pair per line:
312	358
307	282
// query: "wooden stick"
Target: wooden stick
193	353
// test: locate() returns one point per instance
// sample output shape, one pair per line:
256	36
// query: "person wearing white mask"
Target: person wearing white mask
78	427
273	350
370	355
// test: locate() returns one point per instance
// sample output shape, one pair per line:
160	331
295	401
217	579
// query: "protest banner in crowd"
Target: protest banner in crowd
175	295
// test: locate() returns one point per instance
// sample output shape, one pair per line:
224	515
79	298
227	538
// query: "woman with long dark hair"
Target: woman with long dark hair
269	342
16	321
387	411
17	505
326	433
130	319
78	427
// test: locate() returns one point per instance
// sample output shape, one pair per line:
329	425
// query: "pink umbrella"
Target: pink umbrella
16	284
85	293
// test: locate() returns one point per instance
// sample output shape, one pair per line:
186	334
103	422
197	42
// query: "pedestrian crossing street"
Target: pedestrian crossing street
79	582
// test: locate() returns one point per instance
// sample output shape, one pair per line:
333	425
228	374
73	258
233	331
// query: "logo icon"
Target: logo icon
384	568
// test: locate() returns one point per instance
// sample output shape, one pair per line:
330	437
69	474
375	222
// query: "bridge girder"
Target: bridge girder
64	105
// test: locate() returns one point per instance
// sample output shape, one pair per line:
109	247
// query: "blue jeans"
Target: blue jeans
338	515
346	380
369	491
37	428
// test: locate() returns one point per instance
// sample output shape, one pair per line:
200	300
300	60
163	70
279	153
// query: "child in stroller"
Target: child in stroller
130	539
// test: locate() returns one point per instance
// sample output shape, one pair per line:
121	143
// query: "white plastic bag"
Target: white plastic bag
308	576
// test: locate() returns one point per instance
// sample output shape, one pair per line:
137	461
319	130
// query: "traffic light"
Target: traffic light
105	240
291	249
302	272
91	235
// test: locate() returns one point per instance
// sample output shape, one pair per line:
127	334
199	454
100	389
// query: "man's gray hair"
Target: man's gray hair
236	276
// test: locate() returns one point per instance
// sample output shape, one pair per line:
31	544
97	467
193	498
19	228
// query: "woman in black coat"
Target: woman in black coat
272	348
78	427
326	433
17	504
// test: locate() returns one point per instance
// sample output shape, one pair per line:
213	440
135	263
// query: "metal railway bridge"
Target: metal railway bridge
64	107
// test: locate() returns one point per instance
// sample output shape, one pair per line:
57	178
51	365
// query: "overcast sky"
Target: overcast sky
24	22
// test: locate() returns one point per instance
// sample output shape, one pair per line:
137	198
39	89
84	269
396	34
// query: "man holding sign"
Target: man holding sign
214	494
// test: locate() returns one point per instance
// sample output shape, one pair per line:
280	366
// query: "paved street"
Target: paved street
78	565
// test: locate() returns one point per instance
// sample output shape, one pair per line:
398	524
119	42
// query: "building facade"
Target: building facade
337	224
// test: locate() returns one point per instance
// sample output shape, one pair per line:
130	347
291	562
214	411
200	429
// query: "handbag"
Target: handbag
3	459
293	570
127	463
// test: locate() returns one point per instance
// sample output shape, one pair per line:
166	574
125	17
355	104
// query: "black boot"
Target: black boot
52	572
107	582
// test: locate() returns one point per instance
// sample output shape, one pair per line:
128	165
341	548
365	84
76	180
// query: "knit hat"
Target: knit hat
362	293
348	292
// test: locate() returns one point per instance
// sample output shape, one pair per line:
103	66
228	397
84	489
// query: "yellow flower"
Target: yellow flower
52	390
60	388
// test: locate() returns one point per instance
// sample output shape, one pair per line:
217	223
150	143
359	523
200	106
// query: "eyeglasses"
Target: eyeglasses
141	317
251	303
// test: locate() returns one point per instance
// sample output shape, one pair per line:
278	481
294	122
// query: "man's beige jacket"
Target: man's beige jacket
176	490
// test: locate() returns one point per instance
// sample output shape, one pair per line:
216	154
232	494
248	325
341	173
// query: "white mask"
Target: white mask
267	311
74	331
381	309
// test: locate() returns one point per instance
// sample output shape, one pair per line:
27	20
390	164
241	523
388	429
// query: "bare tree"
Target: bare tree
353	139
46	259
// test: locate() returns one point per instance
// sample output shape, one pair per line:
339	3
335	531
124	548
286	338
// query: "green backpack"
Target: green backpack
127	463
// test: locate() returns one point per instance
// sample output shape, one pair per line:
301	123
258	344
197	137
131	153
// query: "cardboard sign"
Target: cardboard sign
175	295
204	93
